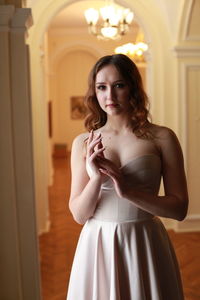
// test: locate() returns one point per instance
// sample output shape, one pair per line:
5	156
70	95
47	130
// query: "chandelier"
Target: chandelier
135	51
115	21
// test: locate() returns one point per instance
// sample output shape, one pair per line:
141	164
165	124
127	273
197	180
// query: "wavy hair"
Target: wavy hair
139	103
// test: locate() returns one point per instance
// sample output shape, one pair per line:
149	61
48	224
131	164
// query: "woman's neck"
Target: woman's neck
118	124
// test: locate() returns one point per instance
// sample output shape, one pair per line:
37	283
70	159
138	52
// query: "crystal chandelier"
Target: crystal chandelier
115	21
132	49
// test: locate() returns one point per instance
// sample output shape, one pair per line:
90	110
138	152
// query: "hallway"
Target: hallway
58	245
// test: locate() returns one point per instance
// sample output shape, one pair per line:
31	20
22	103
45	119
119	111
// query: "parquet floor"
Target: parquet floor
58	245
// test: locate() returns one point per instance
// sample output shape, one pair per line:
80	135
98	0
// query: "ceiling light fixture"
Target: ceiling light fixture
134	50
115	23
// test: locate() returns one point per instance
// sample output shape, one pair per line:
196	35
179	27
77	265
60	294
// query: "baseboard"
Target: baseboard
191	223
169	223
45	229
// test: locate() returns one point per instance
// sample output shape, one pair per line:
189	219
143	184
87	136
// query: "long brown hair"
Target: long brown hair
96	117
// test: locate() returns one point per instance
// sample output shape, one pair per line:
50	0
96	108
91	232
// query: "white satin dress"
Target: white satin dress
123	252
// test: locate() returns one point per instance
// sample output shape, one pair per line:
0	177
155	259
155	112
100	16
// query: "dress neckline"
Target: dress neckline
139	157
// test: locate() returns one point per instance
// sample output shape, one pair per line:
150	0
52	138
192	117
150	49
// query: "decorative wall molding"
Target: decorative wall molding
187	120
187	16
188	13
22	18
184	66
74	46
6	13
182	103
191	11
187	51
19	252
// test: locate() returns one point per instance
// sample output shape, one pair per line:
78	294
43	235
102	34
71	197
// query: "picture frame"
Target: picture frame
78	109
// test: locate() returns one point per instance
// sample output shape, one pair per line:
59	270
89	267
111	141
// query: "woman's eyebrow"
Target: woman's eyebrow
118	80
100	82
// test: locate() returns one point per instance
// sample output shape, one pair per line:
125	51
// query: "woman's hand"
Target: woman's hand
107	167
94	149
98	165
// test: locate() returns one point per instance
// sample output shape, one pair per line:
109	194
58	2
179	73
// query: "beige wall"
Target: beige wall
71	80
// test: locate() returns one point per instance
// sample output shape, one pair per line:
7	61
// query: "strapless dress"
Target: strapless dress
124	253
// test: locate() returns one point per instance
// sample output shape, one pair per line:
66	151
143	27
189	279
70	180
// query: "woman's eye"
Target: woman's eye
101	87
119	85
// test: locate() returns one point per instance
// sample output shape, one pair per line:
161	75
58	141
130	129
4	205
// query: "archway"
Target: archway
44	13
157	58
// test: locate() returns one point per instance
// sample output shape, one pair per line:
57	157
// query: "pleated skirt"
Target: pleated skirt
131	260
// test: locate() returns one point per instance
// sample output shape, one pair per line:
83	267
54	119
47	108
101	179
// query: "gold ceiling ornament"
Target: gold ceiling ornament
135	51
115	21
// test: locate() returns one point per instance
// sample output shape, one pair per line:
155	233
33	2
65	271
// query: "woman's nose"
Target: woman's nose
110	93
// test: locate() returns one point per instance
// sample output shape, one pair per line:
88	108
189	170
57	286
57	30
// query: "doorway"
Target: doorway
63	60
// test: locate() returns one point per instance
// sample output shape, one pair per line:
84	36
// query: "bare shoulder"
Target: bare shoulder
163	134
78	145
167	141
80	139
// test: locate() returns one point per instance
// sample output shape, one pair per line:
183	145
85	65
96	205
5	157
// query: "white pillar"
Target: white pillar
19	276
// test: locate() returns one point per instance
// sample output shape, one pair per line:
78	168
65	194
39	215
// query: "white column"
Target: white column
19	276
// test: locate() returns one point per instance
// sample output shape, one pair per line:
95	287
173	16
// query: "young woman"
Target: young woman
124	252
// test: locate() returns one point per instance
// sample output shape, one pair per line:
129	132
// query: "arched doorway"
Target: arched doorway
50	60
36	41
42	69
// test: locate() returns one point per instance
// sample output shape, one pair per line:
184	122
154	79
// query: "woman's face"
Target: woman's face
112	91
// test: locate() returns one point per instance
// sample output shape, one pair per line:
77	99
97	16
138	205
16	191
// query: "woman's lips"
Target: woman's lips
112	105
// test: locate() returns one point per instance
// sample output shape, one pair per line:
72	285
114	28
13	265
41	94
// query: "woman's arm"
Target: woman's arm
84	190
175	202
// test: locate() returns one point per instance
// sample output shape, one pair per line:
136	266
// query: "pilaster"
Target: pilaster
188	71
19	275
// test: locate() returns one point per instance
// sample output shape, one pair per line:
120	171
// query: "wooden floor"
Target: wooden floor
58	245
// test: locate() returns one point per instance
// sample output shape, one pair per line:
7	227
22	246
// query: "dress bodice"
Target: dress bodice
142	173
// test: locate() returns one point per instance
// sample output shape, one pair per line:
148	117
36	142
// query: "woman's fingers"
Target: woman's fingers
91	137
92	142
96	153
99	146
94	149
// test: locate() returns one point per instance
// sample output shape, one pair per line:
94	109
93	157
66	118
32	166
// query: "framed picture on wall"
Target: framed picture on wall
78	109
